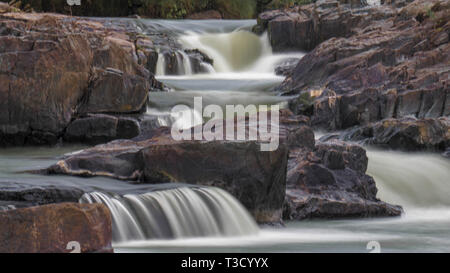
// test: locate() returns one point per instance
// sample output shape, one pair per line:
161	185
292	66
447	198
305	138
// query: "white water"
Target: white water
243	70
175	213
417	181
234	52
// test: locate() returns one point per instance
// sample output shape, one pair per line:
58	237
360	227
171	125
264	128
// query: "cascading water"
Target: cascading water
175	213
415	181
243	70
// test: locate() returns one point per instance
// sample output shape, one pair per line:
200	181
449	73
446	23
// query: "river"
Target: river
180	218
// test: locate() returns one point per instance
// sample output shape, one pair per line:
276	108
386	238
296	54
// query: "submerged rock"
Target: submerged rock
50	229
330	182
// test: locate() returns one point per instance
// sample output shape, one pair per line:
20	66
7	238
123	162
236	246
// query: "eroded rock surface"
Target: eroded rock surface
371	64
50	228
55	68
408	134
330	182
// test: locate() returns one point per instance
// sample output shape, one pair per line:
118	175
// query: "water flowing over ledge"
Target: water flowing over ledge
176	213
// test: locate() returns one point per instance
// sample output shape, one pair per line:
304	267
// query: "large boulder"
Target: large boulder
305	27
54	68
330	182
394	67
256	178
51	229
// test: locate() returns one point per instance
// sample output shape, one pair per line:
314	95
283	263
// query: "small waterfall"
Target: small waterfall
161	65
175	213
230	51
180	63
180	58
186	63
413	180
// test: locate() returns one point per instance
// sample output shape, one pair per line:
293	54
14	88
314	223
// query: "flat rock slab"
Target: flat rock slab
50	228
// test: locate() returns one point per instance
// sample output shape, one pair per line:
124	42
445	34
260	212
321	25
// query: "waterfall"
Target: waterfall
413	180
186	63
175	213
161	65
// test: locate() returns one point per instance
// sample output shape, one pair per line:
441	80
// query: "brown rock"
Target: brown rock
257	179
330	182
53	68
49	229
387	66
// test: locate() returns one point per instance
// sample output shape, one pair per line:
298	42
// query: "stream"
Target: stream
181	218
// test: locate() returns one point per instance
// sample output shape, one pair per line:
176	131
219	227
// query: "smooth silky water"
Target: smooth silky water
183	218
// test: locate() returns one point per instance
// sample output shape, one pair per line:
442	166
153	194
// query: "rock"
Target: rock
37	196
99	128
402	134
285	67
255	178
387	66
50	228
65	69
198	58
304	27
113	91
330	182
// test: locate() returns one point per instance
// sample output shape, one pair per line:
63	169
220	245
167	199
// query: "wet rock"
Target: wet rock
285	67
304	27
50	228
257	179
408	134
99	128
198	59
36	196
394	67
330	182
113	91
66	68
